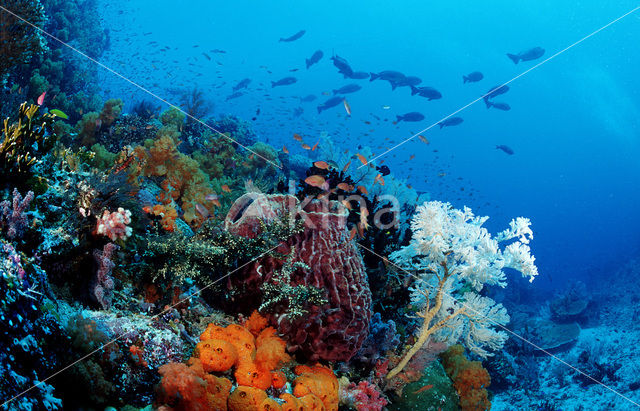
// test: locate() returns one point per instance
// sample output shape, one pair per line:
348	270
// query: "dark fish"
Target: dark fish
314	58
234	95
506	149
308	99
451	121
412	116
499	106
389	75
297	112
349	88
294	37
342	65
332	102
242	84
472	77
494	92
410	81
429	92
284	82
219	51
359	75
527	55
384	170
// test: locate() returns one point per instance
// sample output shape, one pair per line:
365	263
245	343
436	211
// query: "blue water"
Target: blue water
574	122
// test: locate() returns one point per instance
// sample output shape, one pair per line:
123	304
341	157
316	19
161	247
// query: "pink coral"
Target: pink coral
104	283
335	331
114	225
363	397
15	218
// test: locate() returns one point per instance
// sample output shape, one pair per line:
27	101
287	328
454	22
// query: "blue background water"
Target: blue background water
574	122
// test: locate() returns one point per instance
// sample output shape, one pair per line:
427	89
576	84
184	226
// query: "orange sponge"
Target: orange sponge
256	323
291	403
246	399
252	375
271	349
216	355
270	405
278	380
317	380
311	402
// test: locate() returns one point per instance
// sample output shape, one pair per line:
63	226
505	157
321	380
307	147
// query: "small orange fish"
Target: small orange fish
315	146
346	166
345	187
442	174
362	189
423	139
225	188
412	156
347	107
423	389
346	204
362	159
409	186
251	156
149	127
297	137
306	146
285	149
379	179
323	165
315	181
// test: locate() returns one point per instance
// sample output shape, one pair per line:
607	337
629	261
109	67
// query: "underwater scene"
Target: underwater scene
306	206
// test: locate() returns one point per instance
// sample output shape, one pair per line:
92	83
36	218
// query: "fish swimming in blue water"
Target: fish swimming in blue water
286	81
499	106
358	75
294	37
242	84
343	65
384	170
234	95
472	77
308	99
428	92
332	102
315	57
349	88
408	81
451	121
297	112
506	149
527	55
494	92
388	75
412	116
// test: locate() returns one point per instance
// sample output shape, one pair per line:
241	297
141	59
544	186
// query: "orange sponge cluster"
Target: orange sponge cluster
255	354
469	378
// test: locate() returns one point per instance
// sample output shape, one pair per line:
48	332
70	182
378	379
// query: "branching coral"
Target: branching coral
24	143
13	215
453	257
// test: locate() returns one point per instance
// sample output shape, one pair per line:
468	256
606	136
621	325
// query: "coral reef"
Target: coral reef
469	379
19	41
456	257
336	330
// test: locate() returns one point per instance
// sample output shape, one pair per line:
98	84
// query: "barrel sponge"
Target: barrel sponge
246	399
216	355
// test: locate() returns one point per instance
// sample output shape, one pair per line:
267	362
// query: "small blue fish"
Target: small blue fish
349	88
332	102
242	84
294	37
506	149
284	82
527	55
499	106
451	121
428	92
412	116
472	77
314	58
